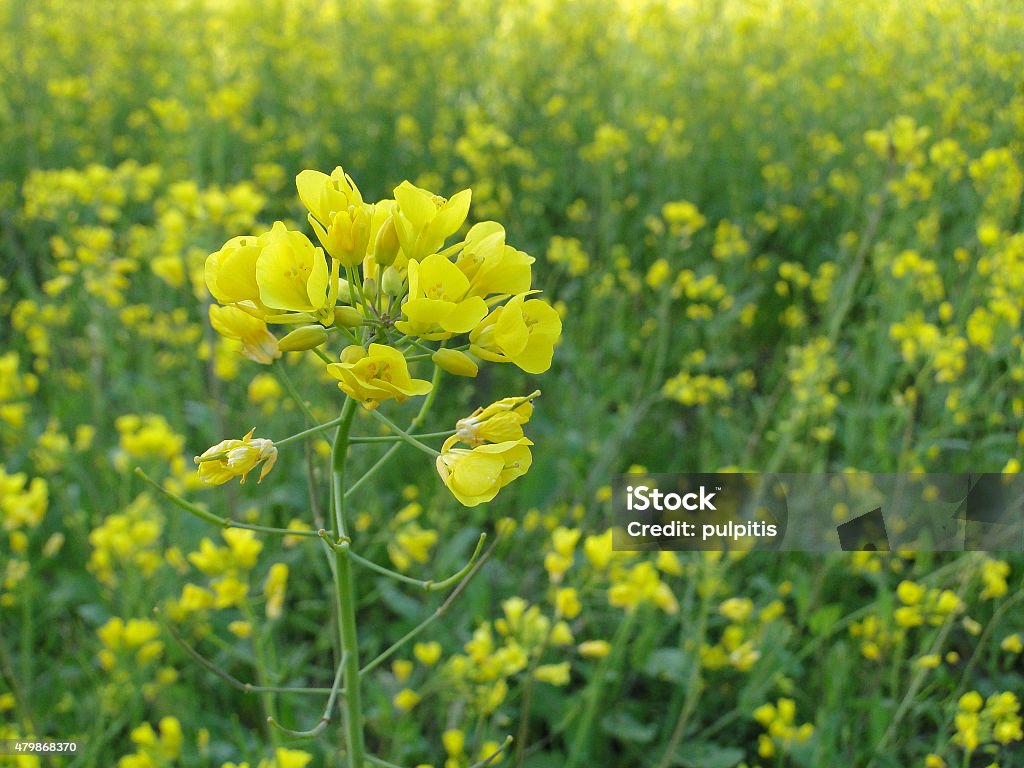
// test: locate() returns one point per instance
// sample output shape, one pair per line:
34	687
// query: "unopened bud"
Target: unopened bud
347	317
353	353
344	291
370	288
385	248
453	361
392	282
306	337
349	234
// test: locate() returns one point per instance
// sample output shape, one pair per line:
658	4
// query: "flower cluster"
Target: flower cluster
411	288
384	283
498	452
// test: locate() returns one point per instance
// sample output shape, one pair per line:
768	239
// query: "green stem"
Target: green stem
414	424
346	597
209	517
402	434
438	612
325	718
307	432
281	370
397	438
581	748
429	585
227	677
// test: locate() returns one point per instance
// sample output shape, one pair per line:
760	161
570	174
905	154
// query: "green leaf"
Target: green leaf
668	664
822	620
704	754
624	727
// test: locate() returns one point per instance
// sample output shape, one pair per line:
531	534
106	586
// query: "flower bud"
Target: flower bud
347	317
392	282
370	288
456	362
306	337
347	233
385	248
344	291
353	353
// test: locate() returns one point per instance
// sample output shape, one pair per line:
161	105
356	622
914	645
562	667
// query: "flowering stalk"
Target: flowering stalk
345	593
384	278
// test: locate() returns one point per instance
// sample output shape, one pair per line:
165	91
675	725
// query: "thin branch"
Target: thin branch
222	522
402	434
228	678
438	612
325	718
429	585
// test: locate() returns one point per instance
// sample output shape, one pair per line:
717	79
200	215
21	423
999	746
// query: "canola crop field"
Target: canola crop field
333	250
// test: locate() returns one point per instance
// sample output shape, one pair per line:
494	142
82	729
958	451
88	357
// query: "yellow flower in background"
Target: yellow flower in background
427	654
291	273
274	589
438	305
523	332
287	758
406	699
381	373
234	458
476	475
258	343
491	265
423	220
555	674
498	422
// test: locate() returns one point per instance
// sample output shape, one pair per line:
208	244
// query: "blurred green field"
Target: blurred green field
780	236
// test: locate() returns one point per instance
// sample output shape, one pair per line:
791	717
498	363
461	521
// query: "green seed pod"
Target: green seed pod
353	353
392	282
385	247
306	337
370	288
453	361
347	317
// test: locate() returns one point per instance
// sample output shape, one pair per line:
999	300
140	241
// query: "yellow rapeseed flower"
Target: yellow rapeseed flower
423	220
491	266
258	343
522	332
438	305
234	458
475	476
337	213
500	421
381	373
291	273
